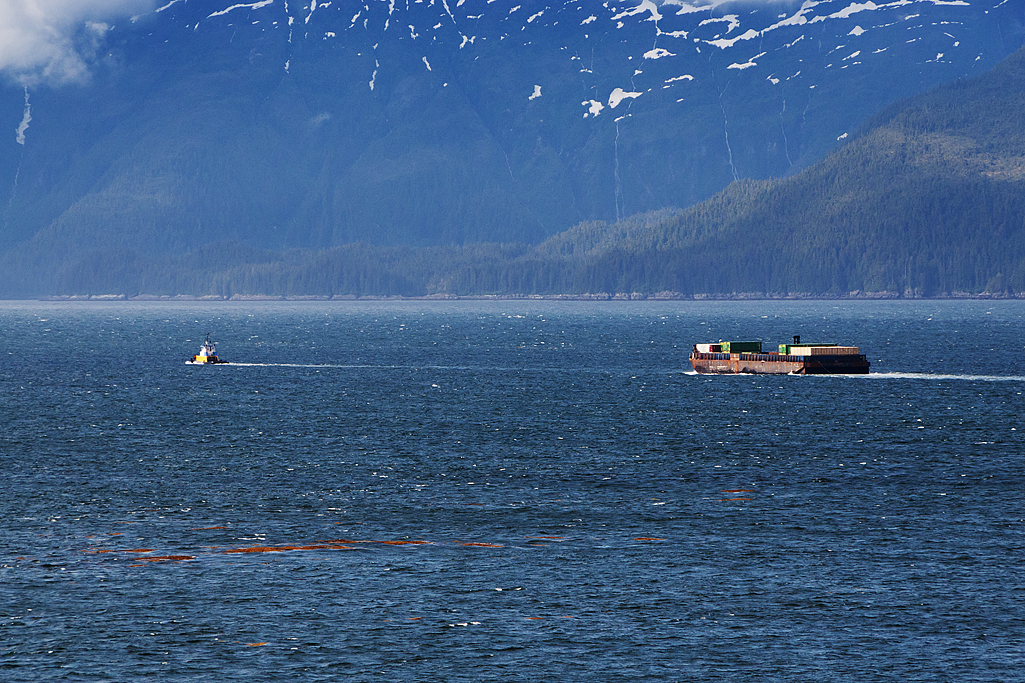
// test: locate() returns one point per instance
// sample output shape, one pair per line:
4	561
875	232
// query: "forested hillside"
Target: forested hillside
928	199
298	130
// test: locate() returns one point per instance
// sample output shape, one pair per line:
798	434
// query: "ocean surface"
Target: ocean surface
499	491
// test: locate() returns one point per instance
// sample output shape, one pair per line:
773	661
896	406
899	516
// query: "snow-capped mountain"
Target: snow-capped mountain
308	124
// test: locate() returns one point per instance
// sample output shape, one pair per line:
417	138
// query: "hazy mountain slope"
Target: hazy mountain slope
286	125
930	199
927	200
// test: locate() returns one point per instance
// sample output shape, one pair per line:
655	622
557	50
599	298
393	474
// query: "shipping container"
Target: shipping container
796	358
786	348
742	347
824	351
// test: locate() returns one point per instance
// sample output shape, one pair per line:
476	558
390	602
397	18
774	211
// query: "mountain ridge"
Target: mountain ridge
282	126
927	200
685	84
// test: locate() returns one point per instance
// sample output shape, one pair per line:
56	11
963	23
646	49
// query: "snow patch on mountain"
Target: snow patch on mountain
658	53
594	107
733	21
724	43
25	119
798	19
618	95
848	11
645	6
748	64
254	5
688	8
161	9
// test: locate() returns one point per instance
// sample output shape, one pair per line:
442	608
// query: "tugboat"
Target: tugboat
207	354
730	358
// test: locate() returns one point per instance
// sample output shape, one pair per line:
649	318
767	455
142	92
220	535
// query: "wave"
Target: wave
362	366
930	376
884	375
293	365
871	375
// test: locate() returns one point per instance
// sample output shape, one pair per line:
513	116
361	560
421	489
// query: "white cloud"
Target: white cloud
54	40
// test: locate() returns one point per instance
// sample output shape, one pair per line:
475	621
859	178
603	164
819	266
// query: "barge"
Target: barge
730	358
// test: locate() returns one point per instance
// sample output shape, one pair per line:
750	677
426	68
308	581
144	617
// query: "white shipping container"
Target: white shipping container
824	351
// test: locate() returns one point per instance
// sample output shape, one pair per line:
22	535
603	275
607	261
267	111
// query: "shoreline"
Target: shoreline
619	296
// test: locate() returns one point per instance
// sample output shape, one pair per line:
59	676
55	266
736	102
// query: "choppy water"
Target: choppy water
508	491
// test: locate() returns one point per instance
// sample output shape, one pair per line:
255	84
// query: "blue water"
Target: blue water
584	507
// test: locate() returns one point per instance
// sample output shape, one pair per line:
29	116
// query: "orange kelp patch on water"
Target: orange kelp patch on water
483	545
726	500
648	538
333	544
284	548
335	541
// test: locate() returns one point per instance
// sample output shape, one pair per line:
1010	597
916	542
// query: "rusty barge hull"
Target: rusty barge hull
776	364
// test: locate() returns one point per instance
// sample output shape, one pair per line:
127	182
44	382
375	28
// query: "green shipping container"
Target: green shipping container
742	347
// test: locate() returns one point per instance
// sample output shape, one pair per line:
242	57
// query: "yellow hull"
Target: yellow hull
206	360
